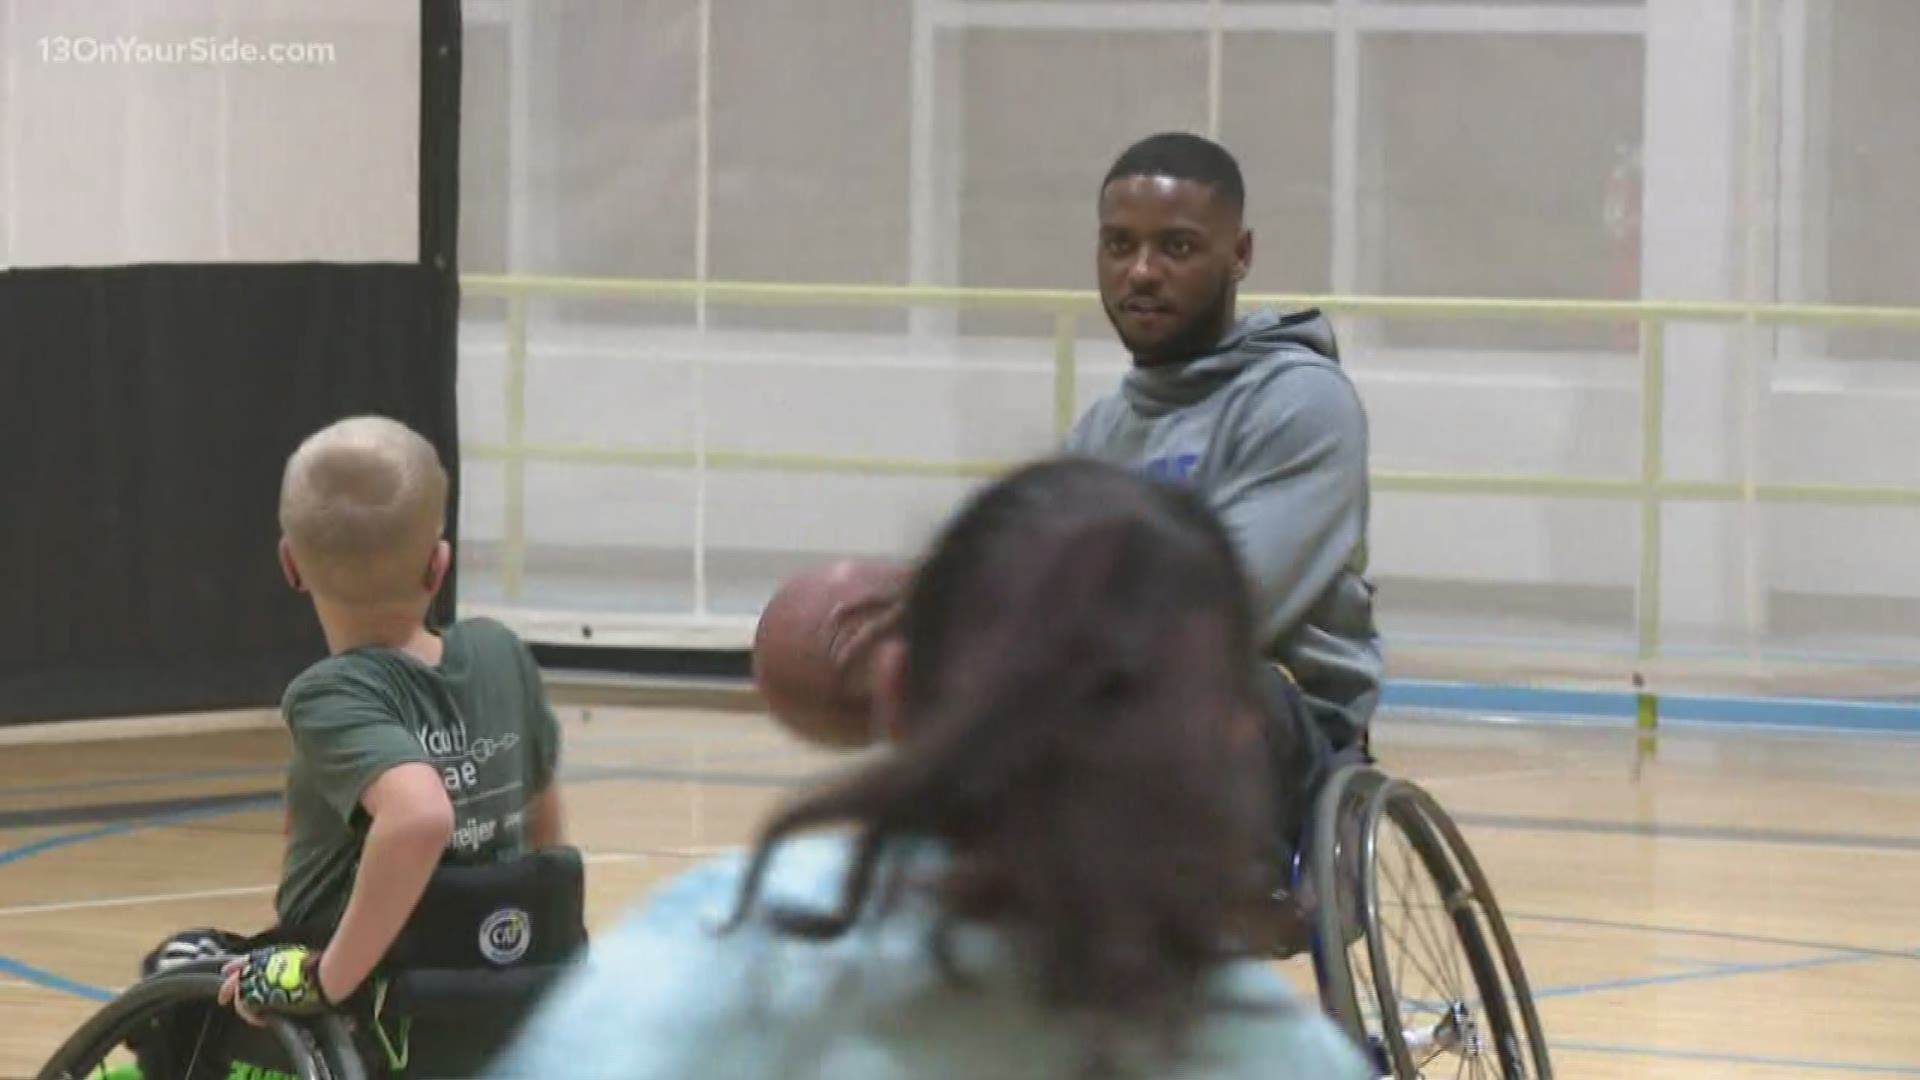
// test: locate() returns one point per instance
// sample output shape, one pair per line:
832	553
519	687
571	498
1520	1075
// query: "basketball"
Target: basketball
811	683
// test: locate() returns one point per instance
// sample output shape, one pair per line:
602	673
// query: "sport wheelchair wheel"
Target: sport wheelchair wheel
321	1049
1400	902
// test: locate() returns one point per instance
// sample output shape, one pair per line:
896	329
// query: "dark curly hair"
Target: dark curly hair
1077	687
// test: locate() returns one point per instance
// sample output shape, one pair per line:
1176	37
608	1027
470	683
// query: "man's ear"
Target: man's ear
1242	255
290	569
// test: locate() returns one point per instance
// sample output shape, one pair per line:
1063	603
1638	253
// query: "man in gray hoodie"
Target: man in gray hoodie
1256	412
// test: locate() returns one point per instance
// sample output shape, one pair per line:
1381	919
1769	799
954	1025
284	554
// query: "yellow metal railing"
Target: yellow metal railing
1650	489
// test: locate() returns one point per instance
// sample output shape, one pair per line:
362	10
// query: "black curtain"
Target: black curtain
440	66
146	413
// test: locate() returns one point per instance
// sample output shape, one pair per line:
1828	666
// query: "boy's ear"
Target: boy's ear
290	569
438	565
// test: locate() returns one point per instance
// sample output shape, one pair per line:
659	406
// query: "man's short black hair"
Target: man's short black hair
1180	155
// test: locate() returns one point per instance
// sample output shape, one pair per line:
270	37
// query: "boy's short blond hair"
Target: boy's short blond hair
363	504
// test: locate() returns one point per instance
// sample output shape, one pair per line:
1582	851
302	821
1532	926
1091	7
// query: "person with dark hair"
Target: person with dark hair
1254	413
1039	878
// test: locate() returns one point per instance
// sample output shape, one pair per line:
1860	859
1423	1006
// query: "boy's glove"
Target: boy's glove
282	980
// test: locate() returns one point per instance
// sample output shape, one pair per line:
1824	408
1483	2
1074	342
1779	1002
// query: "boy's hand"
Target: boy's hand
280	980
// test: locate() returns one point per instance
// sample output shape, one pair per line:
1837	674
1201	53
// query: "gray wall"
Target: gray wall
208	130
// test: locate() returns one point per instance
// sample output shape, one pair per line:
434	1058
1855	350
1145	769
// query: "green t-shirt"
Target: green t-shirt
481	718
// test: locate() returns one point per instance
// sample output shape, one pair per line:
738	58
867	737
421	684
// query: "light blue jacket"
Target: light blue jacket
662	996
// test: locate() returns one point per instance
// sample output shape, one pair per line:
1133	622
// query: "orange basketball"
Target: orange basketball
820	697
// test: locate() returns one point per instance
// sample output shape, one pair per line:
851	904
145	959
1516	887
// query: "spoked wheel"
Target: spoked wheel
1334	884
1414	959
322	1050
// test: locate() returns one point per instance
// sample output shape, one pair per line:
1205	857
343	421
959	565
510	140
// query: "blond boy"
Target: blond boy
410	745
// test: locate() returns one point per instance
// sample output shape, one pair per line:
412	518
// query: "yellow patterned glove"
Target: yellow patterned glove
283	980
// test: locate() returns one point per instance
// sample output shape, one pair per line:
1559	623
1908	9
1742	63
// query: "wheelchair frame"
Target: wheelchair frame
1343	833
321	1048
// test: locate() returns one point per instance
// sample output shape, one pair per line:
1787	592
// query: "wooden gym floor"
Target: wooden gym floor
1743	906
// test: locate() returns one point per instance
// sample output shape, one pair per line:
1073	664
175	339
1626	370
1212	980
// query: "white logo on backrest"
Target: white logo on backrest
506	935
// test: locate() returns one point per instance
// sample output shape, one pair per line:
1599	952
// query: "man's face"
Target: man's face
1171	257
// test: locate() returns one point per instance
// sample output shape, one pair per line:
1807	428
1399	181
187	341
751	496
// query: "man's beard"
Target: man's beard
1196	337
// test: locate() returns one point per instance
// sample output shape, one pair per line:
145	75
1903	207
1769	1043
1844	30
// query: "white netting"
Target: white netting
1712	150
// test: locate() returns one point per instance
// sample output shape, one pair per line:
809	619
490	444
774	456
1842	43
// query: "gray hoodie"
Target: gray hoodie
1270	429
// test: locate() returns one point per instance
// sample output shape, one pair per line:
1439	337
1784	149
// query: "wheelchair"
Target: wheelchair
1410	953
483	945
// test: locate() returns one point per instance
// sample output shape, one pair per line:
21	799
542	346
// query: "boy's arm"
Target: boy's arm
361	759
412	820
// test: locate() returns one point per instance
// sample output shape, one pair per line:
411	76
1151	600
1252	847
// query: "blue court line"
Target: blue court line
1818	714
1829	1067
27	851
120	828
47	980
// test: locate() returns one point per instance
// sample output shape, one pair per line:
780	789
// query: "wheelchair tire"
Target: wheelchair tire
1519	990
319	1050
1337	900
1362	995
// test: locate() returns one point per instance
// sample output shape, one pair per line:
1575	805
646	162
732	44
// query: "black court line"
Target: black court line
1630	926
107	813
1720	833
125	811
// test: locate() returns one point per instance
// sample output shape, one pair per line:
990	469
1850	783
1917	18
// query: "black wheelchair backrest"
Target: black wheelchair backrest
483	946
526	913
